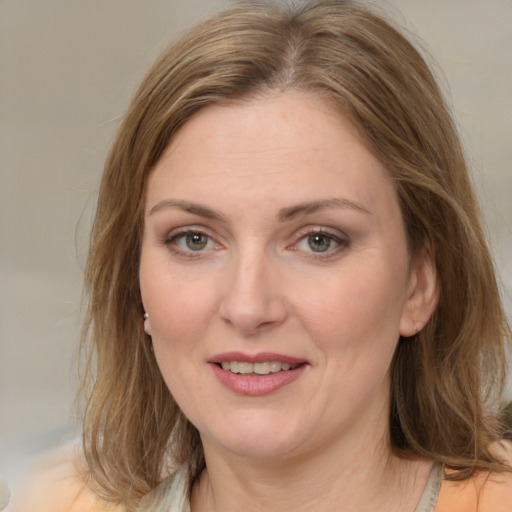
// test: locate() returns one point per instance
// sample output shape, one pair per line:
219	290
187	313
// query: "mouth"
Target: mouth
256	369
256	375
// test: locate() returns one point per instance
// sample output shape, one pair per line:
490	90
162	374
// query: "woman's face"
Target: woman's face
276	276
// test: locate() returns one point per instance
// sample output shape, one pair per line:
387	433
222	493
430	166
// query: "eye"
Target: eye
195	241
190	241
320	242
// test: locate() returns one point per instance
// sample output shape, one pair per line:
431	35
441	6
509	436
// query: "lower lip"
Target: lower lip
256	385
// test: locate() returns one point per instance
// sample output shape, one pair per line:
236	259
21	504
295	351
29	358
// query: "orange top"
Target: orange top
485	492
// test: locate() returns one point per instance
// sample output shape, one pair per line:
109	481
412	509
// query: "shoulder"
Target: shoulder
57	483
484	492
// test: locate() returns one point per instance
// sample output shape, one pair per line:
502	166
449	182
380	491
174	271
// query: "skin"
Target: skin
259	283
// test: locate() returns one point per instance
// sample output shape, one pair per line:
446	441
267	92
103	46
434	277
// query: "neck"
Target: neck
360	475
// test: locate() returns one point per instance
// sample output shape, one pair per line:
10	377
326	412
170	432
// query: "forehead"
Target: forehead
290	146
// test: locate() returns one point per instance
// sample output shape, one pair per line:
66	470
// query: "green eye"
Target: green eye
319	243
190	243
196	241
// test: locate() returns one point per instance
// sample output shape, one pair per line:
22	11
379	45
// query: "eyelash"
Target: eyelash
342	242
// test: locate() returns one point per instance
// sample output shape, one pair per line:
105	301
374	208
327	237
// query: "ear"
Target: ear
422	294
147	325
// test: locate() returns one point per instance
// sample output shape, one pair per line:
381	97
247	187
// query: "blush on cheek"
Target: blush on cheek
169	300
362	321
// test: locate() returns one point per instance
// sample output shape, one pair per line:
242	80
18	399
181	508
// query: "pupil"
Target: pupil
319	243
196	241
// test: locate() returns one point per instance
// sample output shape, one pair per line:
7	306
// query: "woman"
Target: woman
292	305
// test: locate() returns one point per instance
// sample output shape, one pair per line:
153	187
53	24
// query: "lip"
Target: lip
259	385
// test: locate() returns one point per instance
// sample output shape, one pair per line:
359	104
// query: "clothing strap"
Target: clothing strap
430	494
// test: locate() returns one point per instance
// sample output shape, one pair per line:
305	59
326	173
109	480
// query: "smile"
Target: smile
256	374
263	368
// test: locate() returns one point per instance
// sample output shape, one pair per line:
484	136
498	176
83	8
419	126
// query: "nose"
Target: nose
253	299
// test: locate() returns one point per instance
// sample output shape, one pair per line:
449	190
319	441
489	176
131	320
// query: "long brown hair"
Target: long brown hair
446	381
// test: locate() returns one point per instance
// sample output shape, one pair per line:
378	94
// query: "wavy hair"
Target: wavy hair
446	381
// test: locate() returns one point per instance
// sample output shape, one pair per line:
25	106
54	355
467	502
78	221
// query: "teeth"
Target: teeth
264	368
275	367
245	368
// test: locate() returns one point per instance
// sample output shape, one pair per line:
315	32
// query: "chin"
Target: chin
261	450
256	440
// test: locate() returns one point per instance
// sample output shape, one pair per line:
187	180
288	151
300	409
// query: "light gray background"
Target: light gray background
67	71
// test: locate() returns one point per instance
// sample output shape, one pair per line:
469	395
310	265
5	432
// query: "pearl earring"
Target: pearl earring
147	325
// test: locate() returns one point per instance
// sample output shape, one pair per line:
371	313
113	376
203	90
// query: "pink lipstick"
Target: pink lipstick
256	374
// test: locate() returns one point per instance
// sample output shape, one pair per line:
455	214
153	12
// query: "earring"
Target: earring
147	325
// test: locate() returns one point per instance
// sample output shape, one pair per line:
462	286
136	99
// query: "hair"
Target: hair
446	380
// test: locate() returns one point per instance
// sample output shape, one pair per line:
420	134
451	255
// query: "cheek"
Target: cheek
179	309
179	313
362	304
180	316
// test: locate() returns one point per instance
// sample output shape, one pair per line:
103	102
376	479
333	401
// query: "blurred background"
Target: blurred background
67	71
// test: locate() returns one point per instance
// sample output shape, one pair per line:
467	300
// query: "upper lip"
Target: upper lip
260	357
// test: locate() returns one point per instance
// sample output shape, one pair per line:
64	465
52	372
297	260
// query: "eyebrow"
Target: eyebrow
187	206
302	209
288	213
